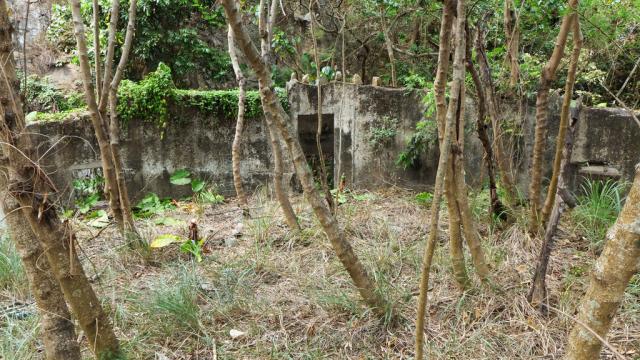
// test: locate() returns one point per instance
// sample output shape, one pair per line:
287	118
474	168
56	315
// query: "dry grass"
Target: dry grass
292	298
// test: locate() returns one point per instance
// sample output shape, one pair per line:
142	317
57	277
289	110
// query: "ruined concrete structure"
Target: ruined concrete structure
608	141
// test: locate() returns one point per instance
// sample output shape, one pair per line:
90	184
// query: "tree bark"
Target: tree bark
265	27
609	278
495	206
443	162
493	109
537	295
30	187
97	120
57	331
96	47
237	139
273	108
542	102
564	118
512	37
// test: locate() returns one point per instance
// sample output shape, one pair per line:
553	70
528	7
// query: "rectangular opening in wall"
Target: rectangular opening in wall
307	129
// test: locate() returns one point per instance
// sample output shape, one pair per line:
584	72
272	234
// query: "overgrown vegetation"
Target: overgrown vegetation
12	276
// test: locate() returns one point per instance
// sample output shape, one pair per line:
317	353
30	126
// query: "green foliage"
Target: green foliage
599	203
88	190
426	133
152	205
12	274
43	96
414	81
202	192
56	116
383	131
424	198
219	102
187	246
146	100
60	29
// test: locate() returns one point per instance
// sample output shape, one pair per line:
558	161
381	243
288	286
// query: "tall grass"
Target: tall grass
599	203
12	276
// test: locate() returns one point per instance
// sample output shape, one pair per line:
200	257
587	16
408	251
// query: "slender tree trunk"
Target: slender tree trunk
96	47
237	139
537	295
495	206
512	37
443	162
392	58
265	25
30	187
609	278
273	108
542	102
323	168
455	235
111	184
564	118
57	331
492	106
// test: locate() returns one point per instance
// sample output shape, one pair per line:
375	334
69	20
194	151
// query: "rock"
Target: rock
237	231
305	79
375	81
356	79
338	76
294	76
236	333
230	242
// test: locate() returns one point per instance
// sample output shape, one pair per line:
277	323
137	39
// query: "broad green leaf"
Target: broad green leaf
197	185
164	240
180	177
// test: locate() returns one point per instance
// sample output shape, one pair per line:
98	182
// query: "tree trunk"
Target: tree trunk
57	330
97	120
273	108
443	162
392	59
265	25
512	38
493	108
495	206
30	187
610	276
96	47
542	102
537	295
564	118
456	252
323	168
235	147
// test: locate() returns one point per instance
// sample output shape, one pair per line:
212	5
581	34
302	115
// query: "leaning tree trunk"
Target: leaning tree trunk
30	187
273	109
537	295
237	138
443	162
495	205
57	330
610	276
495	115
542	102
265	25
564	118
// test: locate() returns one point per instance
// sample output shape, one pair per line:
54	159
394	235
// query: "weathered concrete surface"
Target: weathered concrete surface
201	143
356	111
191	140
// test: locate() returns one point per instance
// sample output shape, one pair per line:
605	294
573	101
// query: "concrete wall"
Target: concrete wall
191	140
201	143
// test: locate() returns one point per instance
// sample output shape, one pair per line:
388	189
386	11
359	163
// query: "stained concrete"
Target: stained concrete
202	142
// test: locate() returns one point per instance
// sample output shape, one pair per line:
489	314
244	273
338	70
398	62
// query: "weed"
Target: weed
598	206
203	193
177	300
19	338
383	131
12	274
88	191
152	205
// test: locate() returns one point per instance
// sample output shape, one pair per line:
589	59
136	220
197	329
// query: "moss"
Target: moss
56	116
150	100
